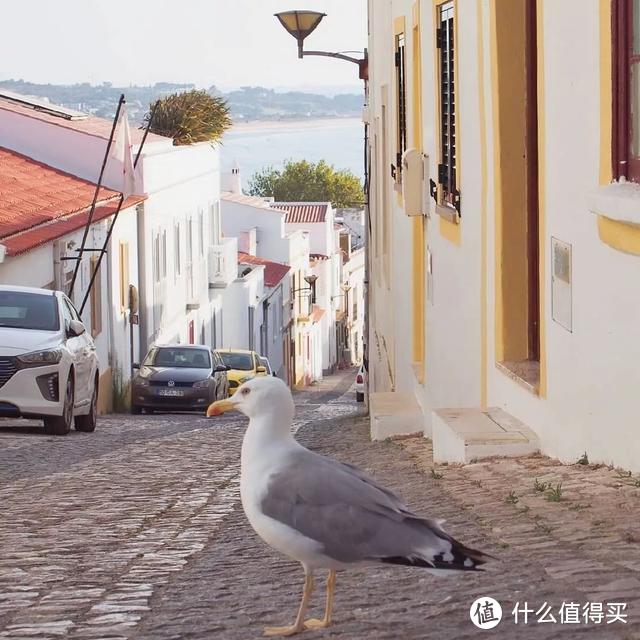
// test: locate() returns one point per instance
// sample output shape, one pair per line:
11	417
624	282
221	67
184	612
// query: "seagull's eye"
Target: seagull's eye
246	392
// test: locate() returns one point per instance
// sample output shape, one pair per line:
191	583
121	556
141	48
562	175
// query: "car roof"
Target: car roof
182	346
11	287
248	351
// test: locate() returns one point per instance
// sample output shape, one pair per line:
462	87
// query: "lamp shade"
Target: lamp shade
300	23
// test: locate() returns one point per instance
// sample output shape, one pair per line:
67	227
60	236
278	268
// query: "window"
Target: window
124	275
214	211
445	42
626	89
164	254
156	258
176	249
201	232
96	298
401	103
355	303
252	312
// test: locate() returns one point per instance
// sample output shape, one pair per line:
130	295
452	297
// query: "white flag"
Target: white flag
122	156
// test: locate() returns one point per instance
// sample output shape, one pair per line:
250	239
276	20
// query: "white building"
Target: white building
262	232
317	218
183	264
43	214
505	246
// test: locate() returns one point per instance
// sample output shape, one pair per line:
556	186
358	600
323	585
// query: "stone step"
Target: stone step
463	435
394	413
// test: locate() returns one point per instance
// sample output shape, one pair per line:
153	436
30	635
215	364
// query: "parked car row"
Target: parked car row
49	368
190	377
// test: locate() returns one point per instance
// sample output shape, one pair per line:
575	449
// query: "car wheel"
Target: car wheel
88	423
61	425
359	396
136	410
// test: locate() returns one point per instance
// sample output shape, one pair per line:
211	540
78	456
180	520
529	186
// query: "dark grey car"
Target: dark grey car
179	378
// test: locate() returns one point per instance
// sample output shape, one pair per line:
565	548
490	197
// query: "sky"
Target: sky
228	43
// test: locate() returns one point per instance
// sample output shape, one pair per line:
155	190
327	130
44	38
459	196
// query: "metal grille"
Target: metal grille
8	367
447	168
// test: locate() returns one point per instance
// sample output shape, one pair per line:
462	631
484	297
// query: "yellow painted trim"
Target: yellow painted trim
510	178
417	223
622	236
398	26
606	93
451	231
482	111
542	182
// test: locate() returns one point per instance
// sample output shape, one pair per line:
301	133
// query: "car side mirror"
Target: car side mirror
135	365
76	328
261	370
228	367
220	368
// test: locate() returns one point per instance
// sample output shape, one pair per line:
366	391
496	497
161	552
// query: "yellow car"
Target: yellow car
244	366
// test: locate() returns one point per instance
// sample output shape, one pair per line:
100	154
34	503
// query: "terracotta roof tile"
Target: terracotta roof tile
301	212
274	272
35	197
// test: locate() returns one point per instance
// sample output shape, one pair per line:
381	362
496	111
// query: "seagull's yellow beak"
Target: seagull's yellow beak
216	408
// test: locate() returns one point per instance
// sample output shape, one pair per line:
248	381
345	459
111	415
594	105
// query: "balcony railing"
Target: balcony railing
223	263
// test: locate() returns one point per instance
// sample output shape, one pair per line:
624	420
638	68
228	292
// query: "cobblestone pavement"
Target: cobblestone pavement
136	531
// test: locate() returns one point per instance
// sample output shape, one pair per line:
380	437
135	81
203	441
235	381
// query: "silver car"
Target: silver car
48	362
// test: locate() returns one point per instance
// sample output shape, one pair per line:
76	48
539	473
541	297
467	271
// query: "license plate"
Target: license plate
171	392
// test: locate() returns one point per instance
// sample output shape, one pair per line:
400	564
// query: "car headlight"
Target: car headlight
41	358
142	382
246	379
201	384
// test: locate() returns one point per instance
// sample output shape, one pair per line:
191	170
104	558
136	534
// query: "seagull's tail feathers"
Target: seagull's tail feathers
441	552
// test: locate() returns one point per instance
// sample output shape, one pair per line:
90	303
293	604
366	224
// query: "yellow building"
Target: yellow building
504	254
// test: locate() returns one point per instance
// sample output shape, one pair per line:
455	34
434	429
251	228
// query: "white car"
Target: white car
360	379
48	361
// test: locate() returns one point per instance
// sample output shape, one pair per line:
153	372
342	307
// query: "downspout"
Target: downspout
112	338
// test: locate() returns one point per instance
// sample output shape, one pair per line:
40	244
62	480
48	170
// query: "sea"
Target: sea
258	145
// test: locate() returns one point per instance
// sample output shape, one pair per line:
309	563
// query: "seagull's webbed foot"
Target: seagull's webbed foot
284	631
315	623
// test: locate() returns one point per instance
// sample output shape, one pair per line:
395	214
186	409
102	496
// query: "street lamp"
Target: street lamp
301	23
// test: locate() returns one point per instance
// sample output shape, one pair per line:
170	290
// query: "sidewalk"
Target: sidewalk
238	585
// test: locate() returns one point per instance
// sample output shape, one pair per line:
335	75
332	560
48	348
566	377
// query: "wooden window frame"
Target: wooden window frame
449	195
624	164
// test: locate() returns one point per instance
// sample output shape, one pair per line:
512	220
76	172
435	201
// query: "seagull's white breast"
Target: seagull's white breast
258	464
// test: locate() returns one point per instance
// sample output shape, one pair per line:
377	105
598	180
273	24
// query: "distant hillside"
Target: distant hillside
246	103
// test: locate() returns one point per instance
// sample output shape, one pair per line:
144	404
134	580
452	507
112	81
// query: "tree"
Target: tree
304	181
190	116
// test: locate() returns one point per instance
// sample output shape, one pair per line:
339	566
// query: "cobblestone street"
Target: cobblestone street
136	531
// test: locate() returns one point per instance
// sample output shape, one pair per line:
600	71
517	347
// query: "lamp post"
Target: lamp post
302	23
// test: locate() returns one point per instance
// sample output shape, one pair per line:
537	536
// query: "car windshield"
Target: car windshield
177	357
241	361
22	310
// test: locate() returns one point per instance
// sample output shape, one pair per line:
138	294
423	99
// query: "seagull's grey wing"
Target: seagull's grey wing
354	518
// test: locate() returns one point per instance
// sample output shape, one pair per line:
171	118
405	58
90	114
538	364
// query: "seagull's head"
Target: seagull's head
261	395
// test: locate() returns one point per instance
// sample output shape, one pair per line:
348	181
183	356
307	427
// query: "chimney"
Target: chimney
232	181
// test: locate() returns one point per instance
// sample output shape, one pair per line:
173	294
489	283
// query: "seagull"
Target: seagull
323	513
